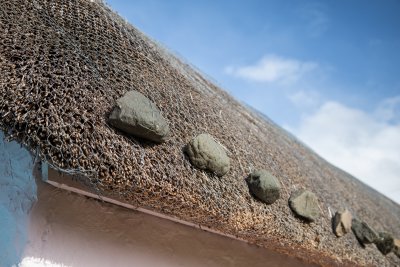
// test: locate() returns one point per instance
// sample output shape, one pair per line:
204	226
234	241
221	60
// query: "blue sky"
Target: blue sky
328	71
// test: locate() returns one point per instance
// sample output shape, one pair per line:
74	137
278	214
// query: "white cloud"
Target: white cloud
316	18
366	146
272	68
389	109
304	99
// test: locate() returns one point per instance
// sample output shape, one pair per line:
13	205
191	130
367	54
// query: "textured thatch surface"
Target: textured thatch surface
63	64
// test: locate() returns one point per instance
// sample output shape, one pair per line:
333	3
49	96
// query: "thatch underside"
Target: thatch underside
63	64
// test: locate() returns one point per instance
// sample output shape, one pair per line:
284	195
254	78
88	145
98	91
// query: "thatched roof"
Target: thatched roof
63	64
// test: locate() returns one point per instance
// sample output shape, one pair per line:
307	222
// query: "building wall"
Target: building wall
17	194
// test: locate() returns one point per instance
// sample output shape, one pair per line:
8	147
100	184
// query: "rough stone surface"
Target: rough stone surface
341	222
206	154
135	114
264	186
385	243
363	233
305	204
396	248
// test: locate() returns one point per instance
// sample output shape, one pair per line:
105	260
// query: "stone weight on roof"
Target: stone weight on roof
341	222
137	115
385	243
264	186
206	154
396	248
363	232
305	204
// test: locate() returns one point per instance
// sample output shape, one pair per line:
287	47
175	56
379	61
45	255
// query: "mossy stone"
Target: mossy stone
363	232
206	154
385	243
305	204
137	115
264	186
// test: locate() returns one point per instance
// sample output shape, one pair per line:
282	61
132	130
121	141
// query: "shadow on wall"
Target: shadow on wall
17	195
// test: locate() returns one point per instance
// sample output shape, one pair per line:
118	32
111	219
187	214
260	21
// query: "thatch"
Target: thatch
64	63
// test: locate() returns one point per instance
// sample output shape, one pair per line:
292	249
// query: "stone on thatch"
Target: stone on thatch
385	243
396	248
137	115
363	232
206	154
305	204
264	186
341	222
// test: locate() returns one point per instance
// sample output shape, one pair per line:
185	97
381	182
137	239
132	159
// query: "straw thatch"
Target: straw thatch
64	63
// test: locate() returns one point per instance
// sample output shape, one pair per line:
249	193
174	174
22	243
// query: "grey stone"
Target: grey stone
363	232
264	186
135	114
305	204
385	243
396	248
206	154
341	222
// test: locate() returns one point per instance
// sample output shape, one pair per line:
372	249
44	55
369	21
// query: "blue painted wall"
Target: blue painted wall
17	195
